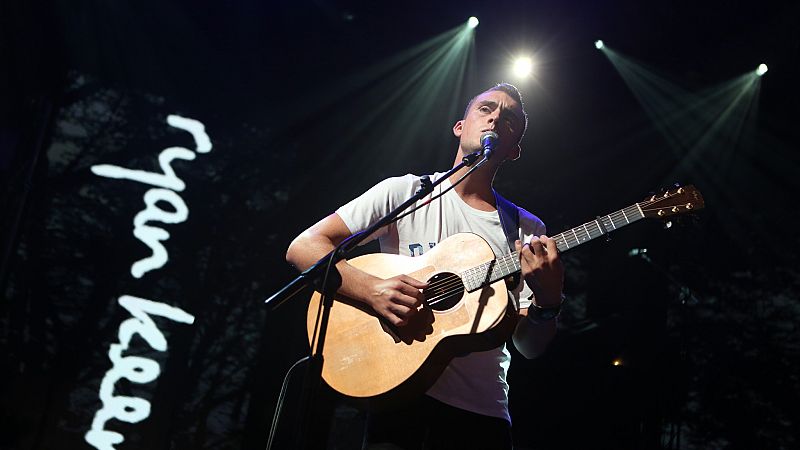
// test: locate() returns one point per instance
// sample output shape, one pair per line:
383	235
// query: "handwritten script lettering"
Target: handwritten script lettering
149	235
133	368
137	369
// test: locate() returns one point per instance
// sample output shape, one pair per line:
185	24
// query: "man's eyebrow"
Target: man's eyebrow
494	104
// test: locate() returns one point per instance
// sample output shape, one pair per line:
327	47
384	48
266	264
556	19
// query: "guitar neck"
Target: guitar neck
504	266
600	226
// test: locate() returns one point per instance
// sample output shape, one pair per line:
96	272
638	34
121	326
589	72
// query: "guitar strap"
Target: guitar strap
509	219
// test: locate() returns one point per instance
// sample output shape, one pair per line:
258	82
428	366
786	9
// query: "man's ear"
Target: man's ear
519	153
458	128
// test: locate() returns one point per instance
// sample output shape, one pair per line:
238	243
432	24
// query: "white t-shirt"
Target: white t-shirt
475	382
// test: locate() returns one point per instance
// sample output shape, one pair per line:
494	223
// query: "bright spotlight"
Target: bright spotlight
762	69
522	67
598	44
473	22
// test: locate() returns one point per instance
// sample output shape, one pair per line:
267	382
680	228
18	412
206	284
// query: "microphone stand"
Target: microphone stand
327	279
687	299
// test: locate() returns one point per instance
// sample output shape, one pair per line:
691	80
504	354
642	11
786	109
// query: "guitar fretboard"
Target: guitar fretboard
491	271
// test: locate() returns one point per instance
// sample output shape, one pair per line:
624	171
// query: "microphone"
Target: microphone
488	141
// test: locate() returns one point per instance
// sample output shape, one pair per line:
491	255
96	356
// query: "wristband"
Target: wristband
538	315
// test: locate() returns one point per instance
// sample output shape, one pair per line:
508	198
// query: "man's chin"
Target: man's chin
471	150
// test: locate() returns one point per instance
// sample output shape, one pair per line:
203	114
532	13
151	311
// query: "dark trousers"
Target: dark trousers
428	424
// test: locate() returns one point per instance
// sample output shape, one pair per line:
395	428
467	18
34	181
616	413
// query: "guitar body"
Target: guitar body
367	358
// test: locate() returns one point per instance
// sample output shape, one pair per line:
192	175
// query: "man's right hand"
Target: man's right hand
397	298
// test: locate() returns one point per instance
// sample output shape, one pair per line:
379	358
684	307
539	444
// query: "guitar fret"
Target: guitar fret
559	238
625	215
601	227
614	226
597	228
588	236
640	210
635	212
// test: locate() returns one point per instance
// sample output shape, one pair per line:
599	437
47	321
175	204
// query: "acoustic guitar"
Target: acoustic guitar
466	307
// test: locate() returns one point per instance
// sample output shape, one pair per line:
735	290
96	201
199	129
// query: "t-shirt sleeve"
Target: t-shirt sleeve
529	226
369	207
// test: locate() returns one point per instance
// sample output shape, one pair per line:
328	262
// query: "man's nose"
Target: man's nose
494	116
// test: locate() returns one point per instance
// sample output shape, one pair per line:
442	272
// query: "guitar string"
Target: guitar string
457	278
451	282
452	285
446	288
617	216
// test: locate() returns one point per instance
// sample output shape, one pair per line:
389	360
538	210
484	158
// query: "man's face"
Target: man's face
492	111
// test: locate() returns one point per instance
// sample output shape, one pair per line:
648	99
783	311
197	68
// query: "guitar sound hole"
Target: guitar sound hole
444	291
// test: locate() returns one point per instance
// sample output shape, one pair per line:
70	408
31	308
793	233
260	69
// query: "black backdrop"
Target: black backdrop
706	331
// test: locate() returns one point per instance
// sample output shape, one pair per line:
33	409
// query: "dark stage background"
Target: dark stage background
307	104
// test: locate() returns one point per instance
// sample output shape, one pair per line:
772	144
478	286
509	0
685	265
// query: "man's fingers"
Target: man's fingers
412	295
537	246
552	248
401	311
408	300
394	319
404	286
412	282
396	312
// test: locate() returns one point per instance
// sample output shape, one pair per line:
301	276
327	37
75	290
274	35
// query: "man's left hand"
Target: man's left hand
542	270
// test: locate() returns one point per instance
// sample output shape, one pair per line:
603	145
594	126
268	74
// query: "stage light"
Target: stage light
598	44
472	22
522	67
762	69
617	362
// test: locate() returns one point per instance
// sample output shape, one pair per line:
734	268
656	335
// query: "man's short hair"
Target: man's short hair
513	92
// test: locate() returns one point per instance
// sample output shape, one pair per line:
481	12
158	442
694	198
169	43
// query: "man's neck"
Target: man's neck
476	189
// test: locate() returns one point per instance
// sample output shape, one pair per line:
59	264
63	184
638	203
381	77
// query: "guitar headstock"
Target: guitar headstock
677	200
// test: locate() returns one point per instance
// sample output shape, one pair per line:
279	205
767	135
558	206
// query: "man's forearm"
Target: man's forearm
532	339
307	250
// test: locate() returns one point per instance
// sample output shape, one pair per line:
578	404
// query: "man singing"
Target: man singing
467	407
